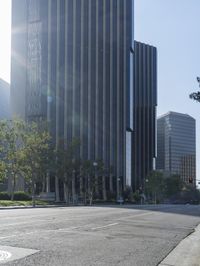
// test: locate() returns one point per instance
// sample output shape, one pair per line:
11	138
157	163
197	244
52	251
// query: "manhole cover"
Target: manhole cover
4	255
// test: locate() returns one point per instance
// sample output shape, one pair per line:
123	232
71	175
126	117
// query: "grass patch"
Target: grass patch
9	203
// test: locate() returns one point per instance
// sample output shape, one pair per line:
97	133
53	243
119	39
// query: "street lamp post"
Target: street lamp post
95	164
73	186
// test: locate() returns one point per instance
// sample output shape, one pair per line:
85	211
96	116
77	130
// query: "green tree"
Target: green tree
196	95
36	146
92	173
155	185
12	150
66	167
173	185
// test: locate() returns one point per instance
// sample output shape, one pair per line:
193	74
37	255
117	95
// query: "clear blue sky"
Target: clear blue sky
173	26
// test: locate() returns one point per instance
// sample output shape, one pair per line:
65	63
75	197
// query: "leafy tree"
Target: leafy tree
155	185
2	171
91	171
12	145
36	145
173	185
66	167
196	95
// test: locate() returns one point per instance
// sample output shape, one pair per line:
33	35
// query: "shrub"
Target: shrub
128	194
136	197
111	196
4	196
20	195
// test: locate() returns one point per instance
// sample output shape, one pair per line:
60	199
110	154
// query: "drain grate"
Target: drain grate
4	255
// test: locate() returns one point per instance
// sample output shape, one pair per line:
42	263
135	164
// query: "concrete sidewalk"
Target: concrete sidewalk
187	253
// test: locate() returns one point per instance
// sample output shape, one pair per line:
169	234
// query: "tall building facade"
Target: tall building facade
4	111
177	145
71	64
144	120
4	100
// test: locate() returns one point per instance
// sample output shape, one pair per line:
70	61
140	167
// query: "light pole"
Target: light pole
119	196
73	185
95	164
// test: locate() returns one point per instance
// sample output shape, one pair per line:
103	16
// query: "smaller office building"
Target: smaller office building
176	136
144	120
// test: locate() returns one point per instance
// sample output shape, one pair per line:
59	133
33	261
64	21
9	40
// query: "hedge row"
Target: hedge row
20	195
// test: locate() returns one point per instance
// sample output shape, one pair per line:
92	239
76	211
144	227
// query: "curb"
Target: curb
30	207
187	253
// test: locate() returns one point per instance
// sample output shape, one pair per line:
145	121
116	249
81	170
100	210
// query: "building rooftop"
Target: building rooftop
176	114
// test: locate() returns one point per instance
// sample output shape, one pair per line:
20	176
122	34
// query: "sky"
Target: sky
173	27
5	31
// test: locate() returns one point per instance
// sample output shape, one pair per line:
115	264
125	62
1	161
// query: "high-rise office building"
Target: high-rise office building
4	111
144	120
4	100
177	145
72	64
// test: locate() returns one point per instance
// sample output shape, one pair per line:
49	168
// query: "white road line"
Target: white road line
20	223
104	226
136	215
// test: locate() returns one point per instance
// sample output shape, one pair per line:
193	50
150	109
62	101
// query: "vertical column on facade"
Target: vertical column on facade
111	151
74	72
118	98
139	173
82	93
82	50
104	131
69	69
97	82
97	90
89	82
66	75
148	114
101	77
143	128
49	82
154	93
124	85
57	94
66	81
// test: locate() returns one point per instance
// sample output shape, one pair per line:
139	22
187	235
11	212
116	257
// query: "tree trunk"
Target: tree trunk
155	198
96	184
111	183
57	199
33	194
104	188
48	183
66	193
13	187
73	189
81	187
43	185
91	197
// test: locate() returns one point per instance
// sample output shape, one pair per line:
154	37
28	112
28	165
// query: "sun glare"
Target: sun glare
5	39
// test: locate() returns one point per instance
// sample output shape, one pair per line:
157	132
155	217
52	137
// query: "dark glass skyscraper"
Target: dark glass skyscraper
144	120
71	65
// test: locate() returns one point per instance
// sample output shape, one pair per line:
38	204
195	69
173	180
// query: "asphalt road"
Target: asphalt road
91	236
